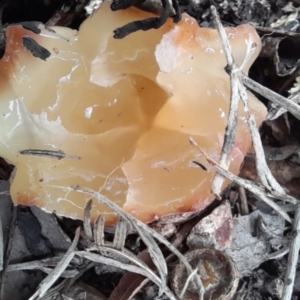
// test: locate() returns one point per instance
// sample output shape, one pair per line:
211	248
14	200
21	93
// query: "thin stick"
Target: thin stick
289	105
253	187
263	171
229	137
293	258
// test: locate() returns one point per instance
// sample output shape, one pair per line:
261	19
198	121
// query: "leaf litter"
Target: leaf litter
271	235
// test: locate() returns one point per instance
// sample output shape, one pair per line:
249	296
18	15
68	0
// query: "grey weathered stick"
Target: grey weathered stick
263	171
276	111
293	258
120	255
278	254
290	106
35	264
229	137
253	187
238	91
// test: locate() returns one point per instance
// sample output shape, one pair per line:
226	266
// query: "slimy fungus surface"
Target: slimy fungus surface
120	112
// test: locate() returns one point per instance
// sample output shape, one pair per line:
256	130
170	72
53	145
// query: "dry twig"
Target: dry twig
45	265
229	137
99	231
239	91
255	188
287	104
244	202
263	171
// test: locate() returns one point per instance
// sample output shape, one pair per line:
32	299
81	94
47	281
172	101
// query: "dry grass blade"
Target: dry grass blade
181	257
153	248
278	254
125	256
293	258
146	234
229	137
144	282
253	187
155	254
138	288
128	267
87	220
122	254
58	270
99	227
120	234
43	265
71	281
55	292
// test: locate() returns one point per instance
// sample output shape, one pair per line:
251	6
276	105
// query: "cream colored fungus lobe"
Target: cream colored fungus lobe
127	108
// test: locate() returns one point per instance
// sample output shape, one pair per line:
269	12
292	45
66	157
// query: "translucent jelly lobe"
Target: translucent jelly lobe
122	112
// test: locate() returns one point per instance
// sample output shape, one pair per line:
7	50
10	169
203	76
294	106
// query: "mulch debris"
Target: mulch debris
247	230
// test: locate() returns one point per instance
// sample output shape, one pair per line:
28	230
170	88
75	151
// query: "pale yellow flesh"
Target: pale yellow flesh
127	108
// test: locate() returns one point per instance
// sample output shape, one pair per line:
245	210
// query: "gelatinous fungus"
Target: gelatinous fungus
122	111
